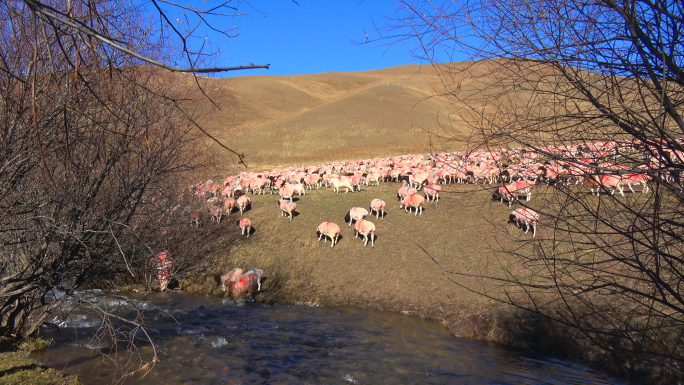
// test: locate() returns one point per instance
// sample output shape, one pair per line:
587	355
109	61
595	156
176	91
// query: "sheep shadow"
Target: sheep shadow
413	210
381	216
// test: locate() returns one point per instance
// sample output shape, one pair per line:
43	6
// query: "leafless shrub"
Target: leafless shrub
577	72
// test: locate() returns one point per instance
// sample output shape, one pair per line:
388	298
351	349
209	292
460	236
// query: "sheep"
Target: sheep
196	217
230	205
258	186
247	283
216	213
504	193
232	275
527	217
330	230
418	179
367	229
356	182
373	178
636	179
277	185
312	180
432	191
597	181
378	205
357	214
405	191
242	203
259	273
214	201
286	192
510	192
299	189
413	200
339	182
245	226
287	207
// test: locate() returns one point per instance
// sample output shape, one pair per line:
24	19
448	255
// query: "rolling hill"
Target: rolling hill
309	119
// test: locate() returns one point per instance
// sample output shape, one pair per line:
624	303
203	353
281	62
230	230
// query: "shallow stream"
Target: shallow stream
201	340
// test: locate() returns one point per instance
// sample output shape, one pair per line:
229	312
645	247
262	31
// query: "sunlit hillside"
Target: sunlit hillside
309	119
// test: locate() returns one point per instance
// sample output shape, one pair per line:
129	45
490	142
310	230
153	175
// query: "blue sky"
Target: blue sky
314	36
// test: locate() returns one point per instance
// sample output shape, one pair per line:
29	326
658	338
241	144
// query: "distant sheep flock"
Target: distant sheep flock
517	170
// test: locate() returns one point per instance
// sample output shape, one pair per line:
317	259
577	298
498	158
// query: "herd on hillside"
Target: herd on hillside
517	170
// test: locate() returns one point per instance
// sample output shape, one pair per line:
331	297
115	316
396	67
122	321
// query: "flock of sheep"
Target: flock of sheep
517	170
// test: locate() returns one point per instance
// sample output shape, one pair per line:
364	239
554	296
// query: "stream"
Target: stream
201	340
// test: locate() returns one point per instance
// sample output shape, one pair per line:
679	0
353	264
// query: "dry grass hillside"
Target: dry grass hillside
309	119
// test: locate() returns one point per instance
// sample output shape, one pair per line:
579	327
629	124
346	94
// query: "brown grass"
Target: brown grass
395	275
309	119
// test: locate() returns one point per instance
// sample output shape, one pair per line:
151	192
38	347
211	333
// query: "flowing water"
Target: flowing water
205	341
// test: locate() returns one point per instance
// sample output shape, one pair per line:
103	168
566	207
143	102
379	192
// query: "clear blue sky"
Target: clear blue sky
314	36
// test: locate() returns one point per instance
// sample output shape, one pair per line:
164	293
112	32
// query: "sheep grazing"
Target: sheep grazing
216	213
248	283
373	178
432	191
337	183
418	179
242	203
214	201
527	217
510	192
405	191
231	276
230	205
312	180
277	185
636	179
357	214
504	194
287	207
196	218
367	229
258	186
414	200
245	226
356	182
378	205
259	273
597	181
329	230
286	192
299	189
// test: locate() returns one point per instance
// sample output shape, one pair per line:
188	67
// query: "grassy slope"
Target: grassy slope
396	274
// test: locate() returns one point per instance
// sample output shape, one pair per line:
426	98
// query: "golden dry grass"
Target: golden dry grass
310	119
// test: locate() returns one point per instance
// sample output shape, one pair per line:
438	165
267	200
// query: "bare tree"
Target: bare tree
94	140
547	74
